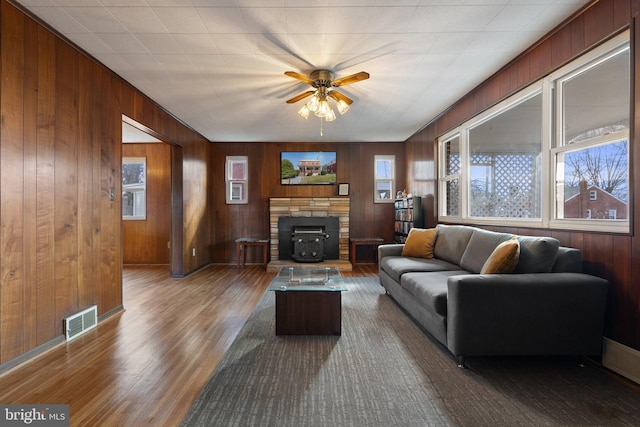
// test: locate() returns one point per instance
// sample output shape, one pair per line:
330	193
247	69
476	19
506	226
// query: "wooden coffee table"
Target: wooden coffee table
308	300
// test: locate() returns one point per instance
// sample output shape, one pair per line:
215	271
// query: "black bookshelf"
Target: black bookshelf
408	214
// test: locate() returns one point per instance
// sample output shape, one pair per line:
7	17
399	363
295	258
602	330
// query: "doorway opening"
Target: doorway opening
151	231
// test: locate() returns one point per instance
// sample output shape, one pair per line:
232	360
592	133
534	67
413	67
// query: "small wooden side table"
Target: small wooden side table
244	242
364	241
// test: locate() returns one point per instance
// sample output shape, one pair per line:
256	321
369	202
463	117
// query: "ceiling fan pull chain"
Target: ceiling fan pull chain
321	126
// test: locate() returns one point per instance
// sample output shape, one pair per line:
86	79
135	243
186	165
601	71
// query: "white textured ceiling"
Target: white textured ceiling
219	65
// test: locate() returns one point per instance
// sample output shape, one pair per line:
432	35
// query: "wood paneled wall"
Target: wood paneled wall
355	166
60	155
145	241
613	257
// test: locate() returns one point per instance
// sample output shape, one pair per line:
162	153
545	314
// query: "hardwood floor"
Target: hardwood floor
146	365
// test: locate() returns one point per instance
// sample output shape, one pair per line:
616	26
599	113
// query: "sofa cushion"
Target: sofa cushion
420	243
451	242
480	246
503	259
537	254
430	288
396	266
569	260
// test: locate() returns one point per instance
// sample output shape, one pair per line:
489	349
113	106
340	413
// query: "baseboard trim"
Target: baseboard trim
110	313
35	352
621	359
24	357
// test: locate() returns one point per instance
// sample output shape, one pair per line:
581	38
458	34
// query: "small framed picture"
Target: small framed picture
343	189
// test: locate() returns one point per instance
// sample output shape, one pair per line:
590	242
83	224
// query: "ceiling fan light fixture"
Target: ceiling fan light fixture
342	106
304	112
323	81
313	104
330	116
323	108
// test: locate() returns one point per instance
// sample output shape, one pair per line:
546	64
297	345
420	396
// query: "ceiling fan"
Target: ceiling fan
323	81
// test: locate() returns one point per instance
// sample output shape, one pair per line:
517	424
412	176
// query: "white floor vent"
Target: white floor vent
79	323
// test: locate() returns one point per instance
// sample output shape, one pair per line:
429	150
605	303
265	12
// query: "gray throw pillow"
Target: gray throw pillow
537	254
480	247
451	242
569	260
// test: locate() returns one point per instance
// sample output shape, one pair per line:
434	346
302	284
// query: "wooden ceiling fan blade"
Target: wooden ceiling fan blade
301	96
353	78
340	96
299	77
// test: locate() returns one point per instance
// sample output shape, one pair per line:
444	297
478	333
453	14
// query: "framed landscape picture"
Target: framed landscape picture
308	168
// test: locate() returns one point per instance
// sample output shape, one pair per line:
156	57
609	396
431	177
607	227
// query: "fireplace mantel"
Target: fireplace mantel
310	207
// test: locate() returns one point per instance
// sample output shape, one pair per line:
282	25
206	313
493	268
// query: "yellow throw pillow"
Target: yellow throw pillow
503	259
420	243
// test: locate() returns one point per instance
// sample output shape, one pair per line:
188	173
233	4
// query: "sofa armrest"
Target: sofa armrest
390	249
525	314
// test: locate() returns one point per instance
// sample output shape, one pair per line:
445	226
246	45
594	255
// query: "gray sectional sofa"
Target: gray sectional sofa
547	306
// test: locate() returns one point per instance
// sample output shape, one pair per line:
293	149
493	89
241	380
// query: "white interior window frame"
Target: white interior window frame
551	136
464	217
589	60
531	91
605	225
443	178
143	161
376	179
241	185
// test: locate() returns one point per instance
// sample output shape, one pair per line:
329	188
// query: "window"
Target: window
236	180
490	168
134	188
450	179
591	153
504	162
554	155
385	178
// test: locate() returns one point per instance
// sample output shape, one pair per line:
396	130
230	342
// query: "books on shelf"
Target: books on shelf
408	214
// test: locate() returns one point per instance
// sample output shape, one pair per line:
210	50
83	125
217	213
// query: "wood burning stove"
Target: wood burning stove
308	229
308	243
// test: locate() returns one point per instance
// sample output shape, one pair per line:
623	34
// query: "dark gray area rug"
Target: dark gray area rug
385	371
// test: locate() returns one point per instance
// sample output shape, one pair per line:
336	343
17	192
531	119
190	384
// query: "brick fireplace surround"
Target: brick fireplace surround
310	207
